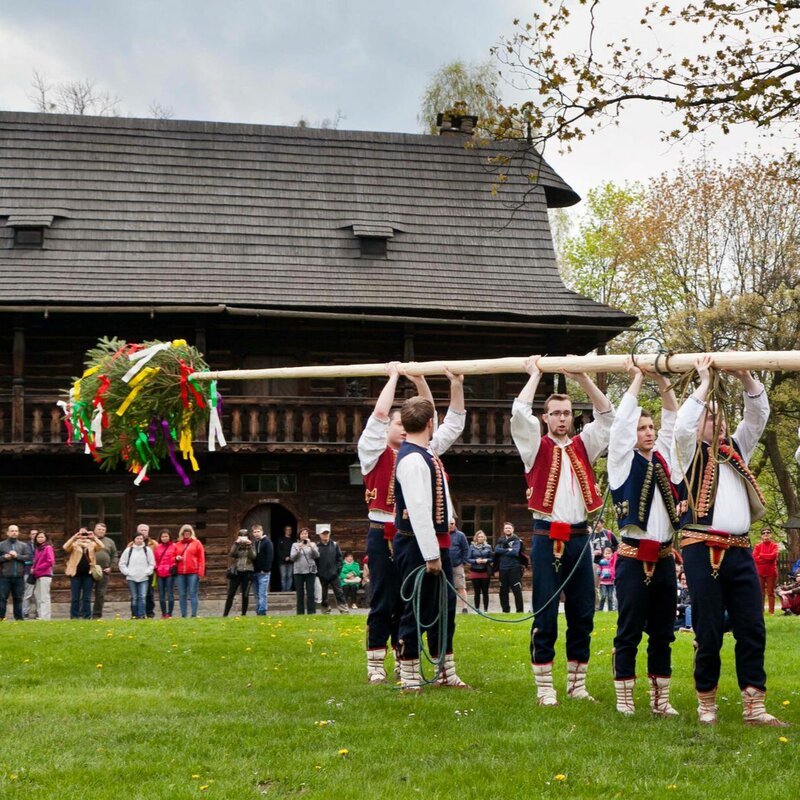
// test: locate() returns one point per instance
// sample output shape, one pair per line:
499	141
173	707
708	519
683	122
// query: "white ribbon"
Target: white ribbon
215	434
141	357
97	425
141	476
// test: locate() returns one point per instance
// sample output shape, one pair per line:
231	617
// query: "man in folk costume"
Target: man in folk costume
723	498
562	491
377	454
647	506
422	514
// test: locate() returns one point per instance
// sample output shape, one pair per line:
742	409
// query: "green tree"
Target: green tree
730	63
708	258
460	87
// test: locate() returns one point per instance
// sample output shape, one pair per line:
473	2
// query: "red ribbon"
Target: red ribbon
88	439
105	383
187	385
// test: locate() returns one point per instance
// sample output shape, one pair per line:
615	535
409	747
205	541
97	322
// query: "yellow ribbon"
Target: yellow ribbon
185	445
137	384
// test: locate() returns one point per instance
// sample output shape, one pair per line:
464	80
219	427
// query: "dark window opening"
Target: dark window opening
474	518
28	237
373	247
107	508
270	483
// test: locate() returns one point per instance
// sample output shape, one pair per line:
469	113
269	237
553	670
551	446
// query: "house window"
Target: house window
476	517
269	484
373	238
28	237
372	247
103	508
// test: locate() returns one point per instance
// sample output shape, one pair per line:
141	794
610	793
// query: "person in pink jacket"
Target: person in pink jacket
166	571
765	554
44	560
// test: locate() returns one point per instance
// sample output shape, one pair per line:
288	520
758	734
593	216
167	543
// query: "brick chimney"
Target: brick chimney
455	124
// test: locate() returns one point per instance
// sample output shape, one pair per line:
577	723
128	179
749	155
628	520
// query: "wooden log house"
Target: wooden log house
268	246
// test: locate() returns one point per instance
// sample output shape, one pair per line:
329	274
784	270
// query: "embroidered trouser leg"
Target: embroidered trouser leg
645	607
578	604
735	589
385	605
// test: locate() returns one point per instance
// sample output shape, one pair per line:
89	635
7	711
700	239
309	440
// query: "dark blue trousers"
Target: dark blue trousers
15	586
578	599
645	608
385	605
736	590
408	557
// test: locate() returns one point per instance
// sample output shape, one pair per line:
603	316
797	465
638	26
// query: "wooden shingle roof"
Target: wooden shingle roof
170	212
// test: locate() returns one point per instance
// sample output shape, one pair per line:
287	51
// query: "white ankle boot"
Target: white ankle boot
755	713
410	675
576	681
376	669
448	677
707	706
545	691
624	690
659	697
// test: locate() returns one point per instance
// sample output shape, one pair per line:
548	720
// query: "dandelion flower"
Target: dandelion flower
195	777
560	777
786	702
782	739
99	666
204	787
343	752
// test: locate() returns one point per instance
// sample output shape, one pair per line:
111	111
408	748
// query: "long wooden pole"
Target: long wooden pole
773	361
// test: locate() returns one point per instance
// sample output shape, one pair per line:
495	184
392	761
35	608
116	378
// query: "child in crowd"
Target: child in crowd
350	577
605	569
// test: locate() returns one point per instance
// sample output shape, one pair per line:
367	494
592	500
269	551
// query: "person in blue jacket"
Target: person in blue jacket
510	567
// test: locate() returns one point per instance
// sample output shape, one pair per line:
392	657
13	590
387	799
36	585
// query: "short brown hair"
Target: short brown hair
645	413
556	397
416	413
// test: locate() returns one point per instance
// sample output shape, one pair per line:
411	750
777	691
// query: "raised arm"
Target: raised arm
595	434
421	385
526	430
386	398
669	408
374	437
756	413
622	436
456	416
685	437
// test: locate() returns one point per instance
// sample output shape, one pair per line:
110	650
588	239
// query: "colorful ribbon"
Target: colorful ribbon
215	434
137	383
171	447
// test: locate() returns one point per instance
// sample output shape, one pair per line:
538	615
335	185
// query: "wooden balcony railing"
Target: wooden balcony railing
278	423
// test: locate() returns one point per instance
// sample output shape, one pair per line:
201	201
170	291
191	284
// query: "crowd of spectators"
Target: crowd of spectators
312	569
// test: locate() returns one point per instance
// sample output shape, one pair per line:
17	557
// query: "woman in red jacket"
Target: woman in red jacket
765	554
191	560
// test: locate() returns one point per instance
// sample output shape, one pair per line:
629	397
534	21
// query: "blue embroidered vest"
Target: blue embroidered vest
703	479
632	500
439	505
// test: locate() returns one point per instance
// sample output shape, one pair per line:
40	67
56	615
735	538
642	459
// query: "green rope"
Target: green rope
443	585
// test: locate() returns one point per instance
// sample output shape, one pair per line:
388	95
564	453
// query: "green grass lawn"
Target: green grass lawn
235	709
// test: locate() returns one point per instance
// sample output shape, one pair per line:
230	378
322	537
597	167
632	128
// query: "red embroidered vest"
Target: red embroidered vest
379	494
542	478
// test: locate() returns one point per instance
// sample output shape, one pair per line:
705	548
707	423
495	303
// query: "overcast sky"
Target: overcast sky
274	61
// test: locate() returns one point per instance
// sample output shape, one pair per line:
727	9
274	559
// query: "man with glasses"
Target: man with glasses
562	491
